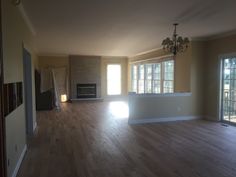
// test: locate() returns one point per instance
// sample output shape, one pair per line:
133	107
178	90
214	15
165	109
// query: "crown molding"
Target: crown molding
145	52
114	57
68	55
26	19
159	48
203	39
216	36
53	55
222	35
163	57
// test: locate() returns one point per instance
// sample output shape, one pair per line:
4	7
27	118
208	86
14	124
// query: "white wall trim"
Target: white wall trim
164	119
116	98
53	55
147	51
220	84
198	39
133	94
86	99
35	126
221	57
19	161
227	55
221	35
26	19
163	57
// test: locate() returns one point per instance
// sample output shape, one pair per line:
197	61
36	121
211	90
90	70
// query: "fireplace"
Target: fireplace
86	91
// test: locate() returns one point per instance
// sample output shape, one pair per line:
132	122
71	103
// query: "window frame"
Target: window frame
162	76
163	79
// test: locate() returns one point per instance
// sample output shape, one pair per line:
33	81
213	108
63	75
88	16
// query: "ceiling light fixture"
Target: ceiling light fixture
176	44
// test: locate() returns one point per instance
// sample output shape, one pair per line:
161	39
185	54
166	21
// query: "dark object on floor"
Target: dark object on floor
44	101
225	125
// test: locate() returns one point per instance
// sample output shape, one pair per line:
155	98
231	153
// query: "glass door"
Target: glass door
114	79
229	90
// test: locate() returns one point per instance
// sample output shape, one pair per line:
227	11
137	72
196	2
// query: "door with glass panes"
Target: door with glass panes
229	90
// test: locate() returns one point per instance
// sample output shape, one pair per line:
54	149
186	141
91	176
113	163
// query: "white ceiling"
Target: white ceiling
123	27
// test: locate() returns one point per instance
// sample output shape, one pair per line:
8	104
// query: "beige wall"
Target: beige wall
197	68
15	36
56	62
53	61
182	67
183	71
215	48
123	61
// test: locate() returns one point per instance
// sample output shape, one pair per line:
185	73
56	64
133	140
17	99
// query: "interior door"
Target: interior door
229	90
28	92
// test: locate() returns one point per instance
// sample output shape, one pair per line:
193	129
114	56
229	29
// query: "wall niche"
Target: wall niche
13	97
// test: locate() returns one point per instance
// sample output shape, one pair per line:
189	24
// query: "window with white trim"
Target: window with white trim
153	77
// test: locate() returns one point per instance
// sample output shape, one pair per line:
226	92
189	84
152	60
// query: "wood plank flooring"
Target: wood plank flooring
85	140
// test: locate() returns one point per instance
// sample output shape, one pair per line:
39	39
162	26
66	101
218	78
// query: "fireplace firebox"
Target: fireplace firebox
86	90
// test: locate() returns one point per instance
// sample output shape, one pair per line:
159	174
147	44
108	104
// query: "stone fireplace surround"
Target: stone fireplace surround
84	70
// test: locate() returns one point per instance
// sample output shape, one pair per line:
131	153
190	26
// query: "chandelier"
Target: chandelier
176	44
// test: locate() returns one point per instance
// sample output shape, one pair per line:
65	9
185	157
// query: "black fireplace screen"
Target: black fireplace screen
86	91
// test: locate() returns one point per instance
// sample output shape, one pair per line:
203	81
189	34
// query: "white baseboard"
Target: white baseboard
116	98
164	119
86	99
19	161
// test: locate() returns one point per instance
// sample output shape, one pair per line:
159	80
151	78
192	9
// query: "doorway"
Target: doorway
113	79
228	104
27	66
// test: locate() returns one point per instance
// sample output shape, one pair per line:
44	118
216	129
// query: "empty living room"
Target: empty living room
118	88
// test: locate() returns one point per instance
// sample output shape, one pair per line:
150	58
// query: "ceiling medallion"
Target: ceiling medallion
176	44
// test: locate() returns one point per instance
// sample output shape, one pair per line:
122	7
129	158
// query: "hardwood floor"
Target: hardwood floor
85	140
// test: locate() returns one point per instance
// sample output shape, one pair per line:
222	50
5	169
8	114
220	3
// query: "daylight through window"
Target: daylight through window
153	77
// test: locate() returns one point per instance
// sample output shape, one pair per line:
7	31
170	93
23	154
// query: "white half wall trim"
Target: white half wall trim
35	125
153	108
19	161
164	119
